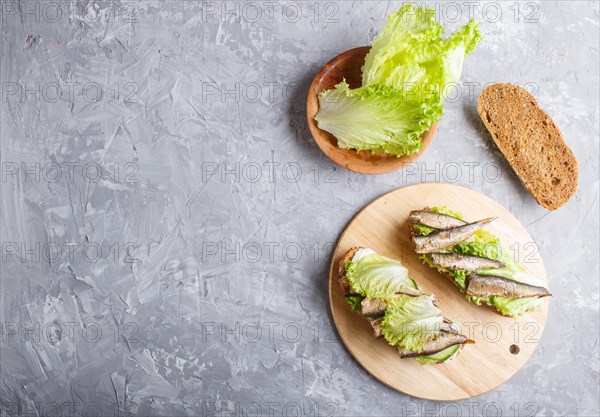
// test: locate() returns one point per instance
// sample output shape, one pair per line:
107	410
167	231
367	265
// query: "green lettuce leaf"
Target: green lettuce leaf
487	245
411	54
410	322
406	42
376	276
354	301
516	306
376	118
422	230
447	211
460	43
405	75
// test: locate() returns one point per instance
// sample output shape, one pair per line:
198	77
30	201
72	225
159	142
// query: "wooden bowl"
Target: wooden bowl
348	65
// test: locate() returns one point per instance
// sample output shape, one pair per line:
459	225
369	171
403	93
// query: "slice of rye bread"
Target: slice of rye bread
347	290
531	142
342	280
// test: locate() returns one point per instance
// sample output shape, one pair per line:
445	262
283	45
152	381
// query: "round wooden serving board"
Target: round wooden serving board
480	367
348	65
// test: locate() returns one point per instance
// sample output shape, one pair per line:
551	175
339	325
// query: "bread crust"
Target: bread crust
531	142
347	290
342	280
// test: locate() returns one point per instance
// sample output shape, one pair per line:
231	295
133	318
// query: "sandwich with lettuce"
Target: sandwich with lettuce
380	289
405	78
476	261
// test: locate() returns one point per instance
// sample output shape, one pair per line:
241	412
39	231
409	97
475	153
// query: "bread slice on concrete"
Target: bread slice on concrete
531	142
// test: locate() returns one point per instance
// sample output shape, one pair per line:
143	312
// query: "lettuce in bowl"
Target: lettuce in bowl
404	79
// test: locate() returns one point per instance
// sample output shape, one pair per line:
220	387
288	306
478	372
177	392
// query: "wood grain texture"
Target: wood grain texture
480	367
348	65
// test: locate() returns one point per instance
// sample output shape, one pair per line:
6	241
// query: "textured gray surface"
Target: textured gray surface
190	276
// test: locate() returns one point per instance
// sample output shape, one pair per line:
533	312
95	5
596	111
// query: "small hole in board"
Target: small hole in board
514	349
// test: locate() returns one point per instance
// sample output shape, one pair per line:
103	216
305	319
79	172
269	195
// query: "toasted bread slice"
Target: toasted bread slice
347	290
343	281
531	142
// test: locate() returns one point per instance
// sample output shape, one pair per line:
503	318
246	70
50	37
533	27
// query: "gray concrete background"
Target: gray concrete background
167	220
